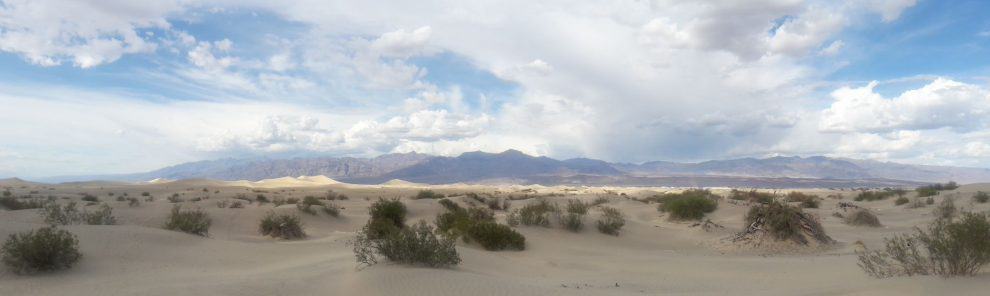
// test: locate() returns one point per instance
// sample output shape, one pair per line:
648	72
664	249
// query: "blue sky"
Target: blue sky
93	87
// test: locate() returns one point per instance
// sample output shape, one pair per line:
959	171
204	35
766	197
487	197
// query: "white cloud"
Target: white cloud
890	10
943	103
832	48
402	44
88	33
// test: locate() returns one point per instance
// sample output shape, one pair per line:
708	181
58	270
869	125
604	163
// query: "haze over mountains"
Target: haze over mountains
512	166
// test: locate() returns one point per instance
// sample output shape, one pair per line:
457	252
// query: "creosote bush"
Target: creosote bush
752	196
611	221
103	216
427	194
688	205
391	210
573	219
493	236
786	222
948	248
536	213
56	214
282	226
873	195
189	221
862	217
416	245
41	250
945	210
901	200
981	197
331	209
13	204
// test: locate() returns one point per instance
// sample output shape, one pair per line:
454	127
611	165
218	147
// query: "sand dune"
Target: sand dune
651	256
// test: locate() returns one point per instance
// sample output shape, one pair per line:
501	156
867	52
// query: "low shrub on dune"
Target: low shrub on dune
611	221
416	245
41	250
862	217
688	205
281	226
189	221
949	247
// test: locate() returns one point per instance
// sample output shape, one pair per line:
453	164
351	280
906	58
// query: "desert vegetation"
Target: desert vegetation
189	221
40	250
282	226
782	222
862	217
948	247
611	221
386	236
688	205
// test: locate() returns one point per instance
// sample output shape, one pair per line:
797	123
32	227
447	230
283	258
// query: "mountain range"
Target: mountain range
513	166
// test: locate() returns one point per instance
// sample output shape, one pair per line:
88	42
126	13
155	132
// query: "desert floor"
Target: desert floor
651	256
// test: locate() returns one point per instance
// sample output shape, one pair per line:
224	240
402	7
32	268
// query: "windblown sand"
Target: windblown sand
651	256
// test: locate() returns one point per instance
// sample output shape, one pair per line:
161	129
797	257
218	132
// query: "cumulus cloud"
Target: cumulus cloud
87	33
943	103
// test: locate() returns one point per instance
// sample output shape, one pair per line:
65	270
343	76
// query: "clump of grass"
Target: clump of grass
236	205
929	201
41	250
599	201
807	201
449	204
862	217
573	220
145	193
119	197
610	221
498	204
901	200
331	209
174	198
688	205
416	245
262	199
278	201
948	248
981	197
427	194
292	200
189	221
282	226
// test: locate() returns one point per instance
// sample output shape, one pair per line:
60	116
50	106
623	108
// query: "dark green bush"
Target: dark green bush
981	197
926	191
873	195
786	222
901	200
13	204
391	210
427	194
133	202
41	250
56	214
103	216
688	205
948	248
862	217
331	209
189	221
417	245
537	213
752	196
449	204
262	199
312	200
306	208
611	221
494	237
90	198
145	193
281	226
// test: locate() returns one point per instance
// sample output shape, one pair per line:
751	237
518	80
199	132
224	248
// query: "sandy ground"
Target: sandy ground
652	256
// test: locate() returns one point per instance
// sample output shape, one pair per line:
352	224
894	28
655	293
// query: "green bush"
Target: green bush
331	209
926	191
945	210
380	228
262	199
901	200
494	237
427	194
56	214
41	250
391	210
103	216
862	217
13	204
281	226
449	204
688	205
306	208
90	198
575	206
537	213
133	202
873	195
145	193
312	201
786	222
981	197
417	245
948	248
752	196
189	221
611	221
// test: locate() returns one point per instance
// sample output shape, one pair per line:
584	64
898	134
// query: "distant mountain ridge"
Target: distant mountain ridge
512	166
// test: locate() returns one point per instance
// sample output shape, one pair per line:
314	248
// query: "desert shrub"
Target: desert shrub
862	217
380	228
14	204
537	213
476	197
688	206
873	195
926	191
916	203
196	199
786	222
498	204
610	221
574	219
949	247
174	198
145	193
103	216
449	204
41	250
455	223
222	204
120	197
243	197
576	207
981	197
391	210
810	204
945	210
427	194
599	201
901	200
933	189
513	219
306	208
189	221
494	237
278	201
292	200
281	226
261	198
331	209
752	196
56	214
795	196
236	205
133	202
929	201
312	200
90	198
417	245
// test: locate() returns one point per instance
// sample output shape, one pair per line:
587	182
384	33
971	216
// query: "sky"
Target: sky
119	86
